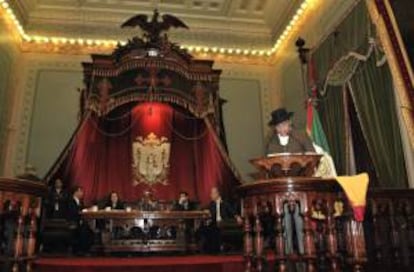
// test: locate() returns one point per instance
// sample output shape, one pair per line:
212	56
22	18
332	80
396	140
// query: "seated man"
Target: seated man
222	212
148	202
184	203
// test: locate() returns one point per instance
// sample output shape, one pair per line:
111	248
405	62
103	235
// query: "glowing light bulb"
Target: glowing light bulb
295	18
27	38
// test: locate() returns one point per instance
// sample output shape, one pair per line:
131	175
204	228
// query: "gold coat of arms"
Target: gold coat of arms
151	156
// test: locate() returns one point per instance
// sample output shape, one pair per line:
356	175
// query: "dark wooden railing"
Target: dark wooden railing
327	236
332	240
20	209
389	229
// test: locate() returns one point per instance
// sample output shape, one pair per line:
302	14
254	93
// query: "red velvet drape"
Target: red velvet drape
100	157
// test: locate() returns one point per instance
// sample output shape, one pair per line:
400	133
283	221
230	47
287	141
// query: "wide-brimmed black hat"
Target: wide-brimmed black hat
279	116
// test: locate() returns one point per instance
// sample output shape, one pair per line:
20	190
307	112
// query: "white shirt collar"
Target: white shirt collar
76	200
283	139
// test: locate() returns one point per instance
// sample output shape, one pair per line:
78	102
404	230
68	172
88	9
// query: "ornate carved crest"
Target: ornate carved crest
151	157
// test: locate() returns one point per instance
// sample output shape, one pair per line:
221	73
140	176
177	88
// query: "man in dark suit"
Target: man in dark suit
222	213
184	203
57	200
220	209
81	233
75	206
148	202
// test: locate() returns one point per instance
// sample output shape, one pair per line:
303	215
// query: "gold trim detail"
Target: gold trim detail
406	106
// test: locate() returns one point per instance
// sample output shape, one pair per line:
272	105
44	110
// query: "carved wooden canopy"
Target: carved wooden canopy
148	71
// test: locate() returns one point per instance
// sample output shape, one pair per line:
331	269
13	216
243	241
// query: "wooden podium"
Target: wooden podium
287	164
324	236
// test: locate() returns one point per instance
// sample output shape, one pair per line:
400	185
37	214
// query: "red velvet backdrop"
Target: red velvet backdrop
100	157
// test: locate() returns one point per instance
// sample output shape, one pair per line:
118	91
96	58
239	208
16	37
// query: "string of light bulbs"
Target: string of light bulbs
110	44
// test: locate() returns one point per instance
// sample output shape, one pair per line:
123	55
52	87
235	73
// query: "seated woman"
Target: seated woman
114	202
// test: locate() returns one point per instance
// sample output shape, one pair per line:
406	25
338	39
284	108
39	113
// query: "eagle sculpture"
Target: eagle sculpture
153	29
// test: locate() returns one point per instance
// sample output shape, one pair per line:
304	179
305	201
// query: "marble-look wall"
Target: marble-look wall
8	56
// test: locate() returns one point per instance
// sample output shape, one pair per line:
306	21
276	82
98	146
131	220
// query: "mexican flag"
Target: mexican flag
314	126
313	122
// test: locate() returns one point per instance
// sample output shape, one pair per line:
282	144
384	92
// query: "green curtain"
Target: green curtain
332	114
373	95
351	35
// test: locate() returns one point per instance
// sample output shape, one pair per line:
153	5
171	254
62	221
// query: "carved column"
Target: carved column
248	243
356	245
331	235
279	241
258	237
309	245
